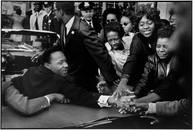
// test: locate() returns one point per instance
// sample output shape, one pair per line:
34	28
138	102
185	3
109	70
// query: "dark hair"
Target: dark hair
110	11
114	26
45	44
150	13
130	14
46	55
18	11
163	23
171	12
164	32
67	7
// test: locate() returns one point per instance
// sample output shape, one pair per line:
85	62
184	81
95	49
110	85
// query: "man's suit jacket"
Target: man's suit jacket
85	54
16	100
40	81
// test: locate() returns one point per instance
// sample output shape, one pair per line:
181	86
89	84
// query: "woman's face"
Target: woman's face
111	18
146	26
126	24
162	48
113	39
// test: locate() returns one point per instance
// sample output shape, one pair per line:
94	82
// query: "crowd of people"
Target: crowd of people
133	60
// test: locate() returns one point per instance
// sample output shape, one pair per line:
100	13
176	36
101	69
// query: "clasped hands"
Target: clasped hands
125	100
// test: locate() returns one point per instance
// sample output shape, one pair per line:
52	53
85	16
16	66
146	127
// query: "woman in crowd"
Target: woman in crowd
158	67
127	22
17	23
115	46
109	15
181	46
143	45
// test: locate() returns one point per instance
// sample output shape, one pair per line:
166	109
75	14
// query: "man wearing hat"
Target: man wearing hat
84	50
50	21
87	12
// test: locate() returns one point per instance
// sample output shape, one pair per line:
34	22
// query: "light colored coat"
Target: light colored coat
21	103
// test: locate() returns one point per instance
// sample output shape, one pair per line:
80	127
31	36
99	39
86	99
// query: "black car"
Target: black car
17	50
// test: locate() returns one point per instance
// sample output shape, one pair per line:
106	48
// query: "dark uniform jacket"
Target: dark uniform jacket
140	49
85	54
47	20
40	81
50	23
96	24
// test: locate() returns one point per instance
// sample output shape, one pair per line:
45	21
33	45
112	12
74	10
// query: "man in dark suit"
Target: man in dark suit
39	86
88	15
84	50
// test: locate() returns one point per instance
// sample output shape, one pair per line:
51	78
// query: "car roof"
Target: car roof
30	32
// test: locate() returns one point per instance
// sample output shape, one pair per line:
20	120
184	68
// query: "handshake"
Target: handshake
125	100
128	104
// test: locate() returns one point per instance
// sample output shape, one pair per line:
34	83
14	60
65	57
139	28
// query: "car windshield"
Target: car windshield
21	40
17	50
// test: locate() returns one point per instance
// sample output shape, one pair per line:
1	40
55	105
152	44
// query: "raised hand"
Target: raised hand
36	57
123	90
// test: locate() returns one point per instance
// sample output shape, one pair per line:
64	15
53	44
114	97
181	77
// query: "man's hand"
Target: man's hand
123	89
103	88
58	98
36	56
133	107
123	101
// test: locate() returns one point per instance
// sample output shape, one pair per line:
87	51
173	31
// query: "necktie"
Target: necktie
64	37
36	23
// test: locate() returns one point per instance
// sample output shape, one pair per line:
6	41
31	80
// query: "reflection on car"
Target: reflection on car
17	50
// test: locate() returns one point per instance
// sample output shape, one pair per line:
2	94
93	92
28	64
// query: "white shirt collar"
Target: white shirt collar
69	24
49	13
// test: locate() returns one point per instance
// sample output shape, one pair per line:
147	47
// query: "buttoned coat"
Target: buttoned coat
85	54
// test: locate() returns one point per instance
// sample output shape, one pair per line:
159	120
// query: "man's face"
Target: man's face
58	63
146	26
162	48
37	7
87	14
47	8
172	20
37	47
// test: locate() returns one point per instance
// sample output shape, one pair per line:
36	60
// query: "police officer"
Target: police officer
48	7
87	12
50	22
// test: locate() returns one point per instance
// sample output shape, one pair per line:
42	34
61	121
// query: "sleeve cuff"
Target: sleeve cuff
102	101
47	100
151	109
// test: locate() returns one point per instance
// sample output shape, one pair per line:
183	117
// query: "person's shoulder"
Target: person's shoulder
137	41
83	25
153	58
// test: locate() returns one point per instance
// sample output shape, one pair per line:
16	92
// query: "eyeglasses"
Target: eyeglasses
46	6
125	24
111	20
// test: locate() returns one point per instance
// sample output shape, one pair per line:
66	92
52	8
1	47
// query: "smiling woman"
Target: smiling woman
142	45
